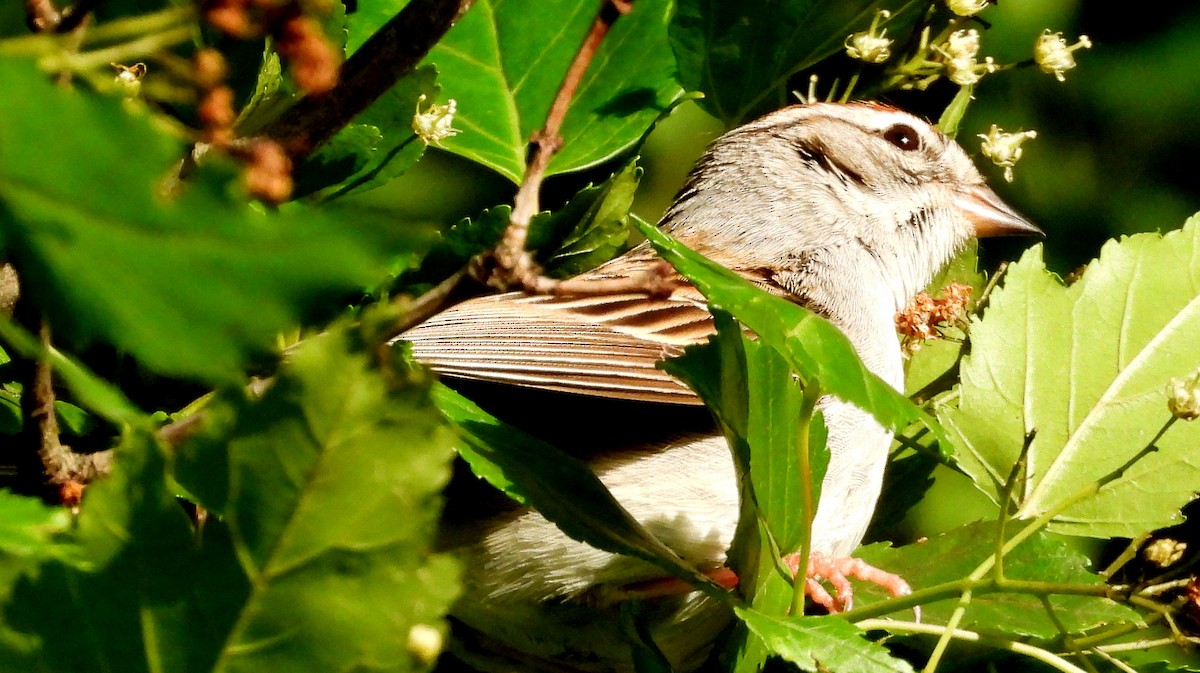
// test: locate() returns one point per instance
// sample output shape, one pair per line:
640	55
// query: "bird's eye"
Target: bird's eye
903	136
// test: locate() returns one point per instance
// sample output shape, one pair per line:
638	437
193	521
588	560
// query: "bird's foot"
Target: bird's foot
837	572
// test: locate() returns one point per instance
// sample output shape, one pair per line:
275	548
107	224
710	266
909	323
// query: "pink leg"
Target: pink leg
837	572
669	586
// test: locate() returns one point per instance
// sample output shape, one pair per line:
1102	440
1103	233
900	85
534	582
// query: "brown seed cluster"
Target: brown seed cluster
268	173
298	38
919	321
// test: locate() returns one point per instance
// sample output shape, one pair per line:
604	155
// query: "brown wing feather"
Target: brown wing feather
604	345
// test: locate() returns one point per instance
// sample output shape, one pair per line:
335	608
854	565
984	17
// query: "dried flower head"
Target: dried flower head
1054	56
209	67
1164	552
434	124
314	61
960	52
1004	149
967	7
871	45
919	321
1183	397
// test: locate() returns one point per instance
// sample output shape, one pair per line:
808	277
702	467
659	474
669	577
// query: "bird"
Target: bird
848	209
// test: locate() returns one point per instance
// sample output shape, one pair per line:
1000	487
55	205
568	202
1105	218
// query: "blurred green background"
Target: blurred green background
1115	152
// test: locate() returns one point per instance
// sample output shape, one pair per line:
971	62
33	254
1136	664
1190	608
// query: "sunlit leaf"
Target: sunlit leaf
955	555
329	486
1085	367
821	644
504	69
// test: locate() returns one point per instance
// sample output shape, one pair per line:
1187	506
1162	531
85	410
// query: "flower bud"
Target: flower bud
433	125
967	7
871	45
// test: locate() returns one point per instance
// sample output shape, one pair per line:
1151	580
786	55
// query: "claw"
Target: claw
837	571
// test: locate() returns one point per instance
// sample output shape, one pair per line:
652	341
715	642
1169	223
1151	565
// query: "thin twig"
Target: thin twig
420	309
62	465
1040	654
513	265
390	54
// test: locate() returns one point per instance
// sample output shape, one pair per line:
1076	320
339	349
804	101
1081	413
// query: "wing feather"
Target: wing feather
605	345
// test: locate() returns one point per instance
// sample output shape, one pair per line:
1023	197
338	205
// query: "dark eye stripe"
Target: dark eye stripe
820	157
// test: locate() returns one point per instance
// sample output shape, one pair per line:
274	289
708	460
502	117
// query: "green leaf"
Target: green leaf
956	554
560	487
590	230
1085	366
821	644
124	603
329	486
504	70
194	287
598	221
751	390
367	18
380	145
813	347
741	54
30	529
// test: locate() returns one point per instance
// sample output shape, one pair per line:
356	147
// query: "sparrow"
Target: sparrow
845	209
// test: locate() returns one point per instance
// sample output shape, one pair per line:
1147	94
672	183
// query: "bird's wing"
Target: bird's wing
605	345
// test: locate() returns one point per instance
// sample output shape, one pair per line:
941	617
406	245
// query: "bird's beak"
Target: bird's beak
991	216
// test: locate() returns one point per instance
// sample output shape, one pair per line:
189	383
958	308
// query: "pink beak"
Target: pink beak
991	216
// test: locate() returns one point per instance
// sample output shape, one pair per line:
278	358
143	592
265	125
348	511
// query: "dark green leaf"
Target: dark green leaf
954	555
560	487
905	483
740	54
197	286
821	644
504	69
124	604
599	225
331	494
390	147
367	18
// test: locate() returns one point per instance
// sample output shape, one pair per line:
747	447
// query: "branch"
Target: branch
513	265
390	54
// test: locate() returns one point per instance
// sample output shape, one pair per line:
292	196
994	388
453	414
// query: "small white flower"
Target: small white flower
1004	149
1183	397
967	7
960	51
1054	56
871	45
434	125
